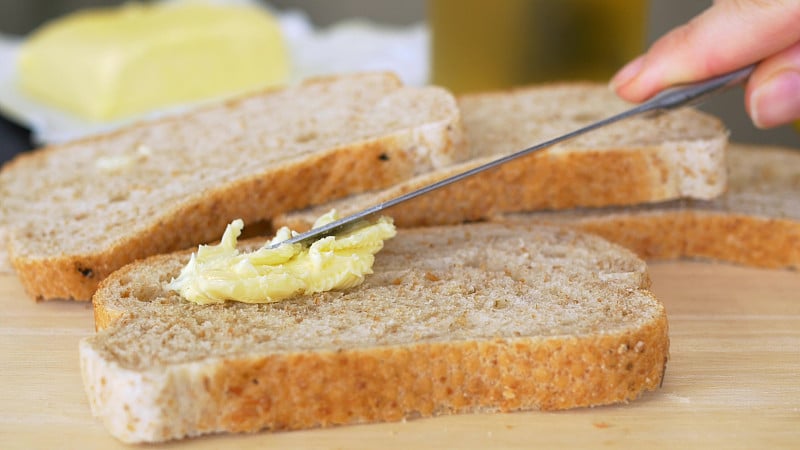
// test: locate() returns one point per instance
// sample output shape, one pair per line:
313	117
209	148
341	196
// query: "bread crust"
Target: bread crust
748	240
542	181
319	389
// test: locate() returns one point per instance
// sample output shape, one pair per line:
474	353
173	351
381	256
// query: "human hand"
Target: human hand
729	35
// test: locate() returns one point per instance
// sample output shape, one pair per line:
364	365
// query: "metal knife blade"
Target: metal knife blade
672	98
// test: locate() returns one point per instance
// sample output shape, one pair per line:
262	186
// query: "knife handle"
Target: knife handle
695	93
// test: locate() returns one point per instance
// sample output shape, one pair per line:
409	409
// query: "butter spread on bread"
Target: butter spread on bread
217	273
108	63
123	161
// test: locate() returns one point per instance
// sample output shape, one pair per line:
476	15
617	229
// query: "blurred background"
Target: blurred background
639	23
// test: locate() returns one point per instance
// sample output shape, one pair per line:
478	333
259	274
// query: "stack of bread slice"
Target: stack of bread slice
755	223
674	191
509	314
641	160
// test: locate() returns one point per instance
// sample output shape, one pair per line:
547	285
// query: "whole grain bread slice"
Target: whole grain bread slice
74	213
676	155
755	223
481	317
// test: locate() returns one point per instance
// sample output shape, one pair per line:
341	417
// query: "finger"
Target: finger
729	35
772	96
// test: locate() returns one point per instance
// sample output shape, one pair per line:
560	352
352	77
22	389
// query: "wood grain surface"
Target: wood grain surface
733	380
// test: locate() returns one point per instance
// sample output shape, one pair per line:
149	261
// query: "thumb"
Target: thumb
729	35
772	95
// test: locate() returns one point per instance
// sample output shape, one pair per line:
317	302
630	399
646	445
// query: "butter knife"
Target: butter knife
675	97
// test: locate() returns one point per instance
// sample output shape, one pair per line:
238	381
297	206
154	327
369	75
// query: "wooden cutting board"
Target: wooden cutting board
733	380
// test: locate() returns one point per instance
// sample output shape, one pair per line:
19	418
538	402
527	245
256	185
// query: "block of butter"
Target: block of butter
110	63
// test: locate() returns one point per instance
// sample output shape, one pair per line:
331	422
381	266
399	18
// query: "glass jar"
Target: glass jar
481	45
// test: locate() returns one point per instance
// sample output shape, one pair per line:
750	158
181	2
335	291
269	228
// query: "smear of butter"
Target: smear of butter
108	63
217	273
121	162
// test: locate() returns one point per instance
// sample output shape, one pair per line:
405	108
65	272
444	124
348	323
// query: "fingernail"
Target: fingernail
777	101
627	73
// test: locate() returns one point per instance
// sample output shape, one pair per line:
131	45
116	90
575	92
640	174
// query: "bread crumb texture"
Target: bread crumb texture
481	317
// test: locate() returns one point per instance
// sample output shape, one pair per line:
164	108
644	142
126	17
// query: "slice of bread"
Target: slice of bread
76	212
756	222
680	154
481	317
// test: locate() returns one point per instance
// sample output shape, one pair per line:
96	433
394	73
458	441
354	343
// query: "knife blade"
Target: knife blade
675	97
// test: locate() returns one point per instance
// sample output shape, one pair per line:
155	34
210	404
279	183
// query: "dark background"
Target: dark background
19	17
